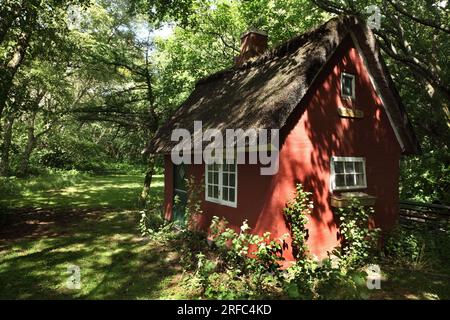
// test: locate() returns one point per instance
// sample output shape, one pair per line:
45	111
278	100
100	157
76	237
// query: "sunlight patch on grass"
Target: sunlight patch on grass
115	191
115	261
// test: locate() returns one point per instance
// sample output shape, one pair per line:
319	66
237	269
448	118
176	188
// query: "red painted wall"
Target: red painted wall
314	134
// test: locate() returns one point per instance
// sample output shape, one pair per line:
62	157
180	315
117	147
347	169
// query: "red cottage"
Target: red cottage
342	128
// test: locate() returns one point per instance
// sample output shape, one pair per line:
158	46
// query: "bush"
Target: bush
426	178
418	247
152	223
9	187
358	241
296	213
238	265
340	276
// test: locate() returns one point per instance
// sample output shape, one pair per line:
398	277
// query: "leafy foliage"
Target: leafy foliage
339	276
418	247
87	83
358	240
296	212
244	265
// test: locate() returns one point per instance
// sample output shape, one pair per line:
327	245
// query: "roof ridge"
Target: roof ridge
281	50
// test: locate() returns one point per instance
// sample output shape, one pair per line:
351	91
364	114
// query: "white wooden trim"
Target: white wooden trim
220	200
377	90
353	86
333	174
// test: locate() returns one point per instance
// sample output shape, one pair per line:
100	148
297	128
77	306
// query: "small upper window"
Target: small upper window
348	173
348	85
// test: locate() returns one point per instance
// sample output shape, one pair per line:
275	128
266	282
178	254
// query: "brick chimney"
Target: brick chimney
253	44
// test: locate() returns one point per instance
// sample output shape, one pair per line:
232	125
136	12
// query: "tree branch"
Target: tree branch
425	22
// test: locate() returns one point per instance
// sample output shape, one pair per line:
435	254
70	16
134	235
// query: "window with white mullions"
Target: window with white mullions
221	183
348	173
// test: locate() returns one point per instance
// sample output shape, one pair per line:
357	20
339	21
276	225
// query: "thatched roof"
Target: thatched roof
263	93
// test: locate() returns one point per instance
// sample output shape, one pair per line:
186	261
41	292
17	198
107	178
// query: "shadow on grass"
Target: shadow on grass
115	263
37	246
403	284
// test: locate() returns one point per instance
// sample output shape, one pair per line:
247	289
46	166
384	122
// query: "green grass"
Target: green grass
114	191
91	224
403	284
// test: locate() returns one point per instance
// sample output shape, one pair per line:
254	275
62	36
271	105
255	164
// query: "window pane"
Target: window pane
232	180
339	167
349	180
225	194
210	191
232	195
360	179
216	178
349	167
340	180
210	178
225	179
216	192
347	85
359	167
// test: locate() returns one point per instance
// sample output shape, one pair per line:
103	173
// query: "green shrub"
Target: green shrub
418	247
238	265
152	223
358	241
340	276
296	212
426	177
189	244
9	187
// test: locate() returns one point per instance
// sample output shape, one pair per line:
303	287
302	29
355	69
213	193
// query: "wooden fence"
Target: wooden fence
434	215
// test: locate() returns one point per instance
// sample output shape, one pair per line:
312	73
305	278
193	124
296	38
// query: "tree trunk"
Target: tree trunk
9	71
6	146
29	147
152	127
148	178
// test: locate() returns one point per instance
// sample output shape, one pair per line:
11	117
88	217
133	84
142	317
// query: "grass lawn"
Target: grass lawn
414	284
91	224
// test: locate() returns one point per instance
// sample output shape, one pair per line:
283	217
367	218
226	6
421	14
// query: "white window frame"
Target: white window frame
343	74
220	200
333	186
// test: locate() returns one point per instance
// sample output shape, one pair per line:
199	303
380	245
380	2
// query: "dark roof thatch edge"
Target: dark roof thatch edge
285	48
